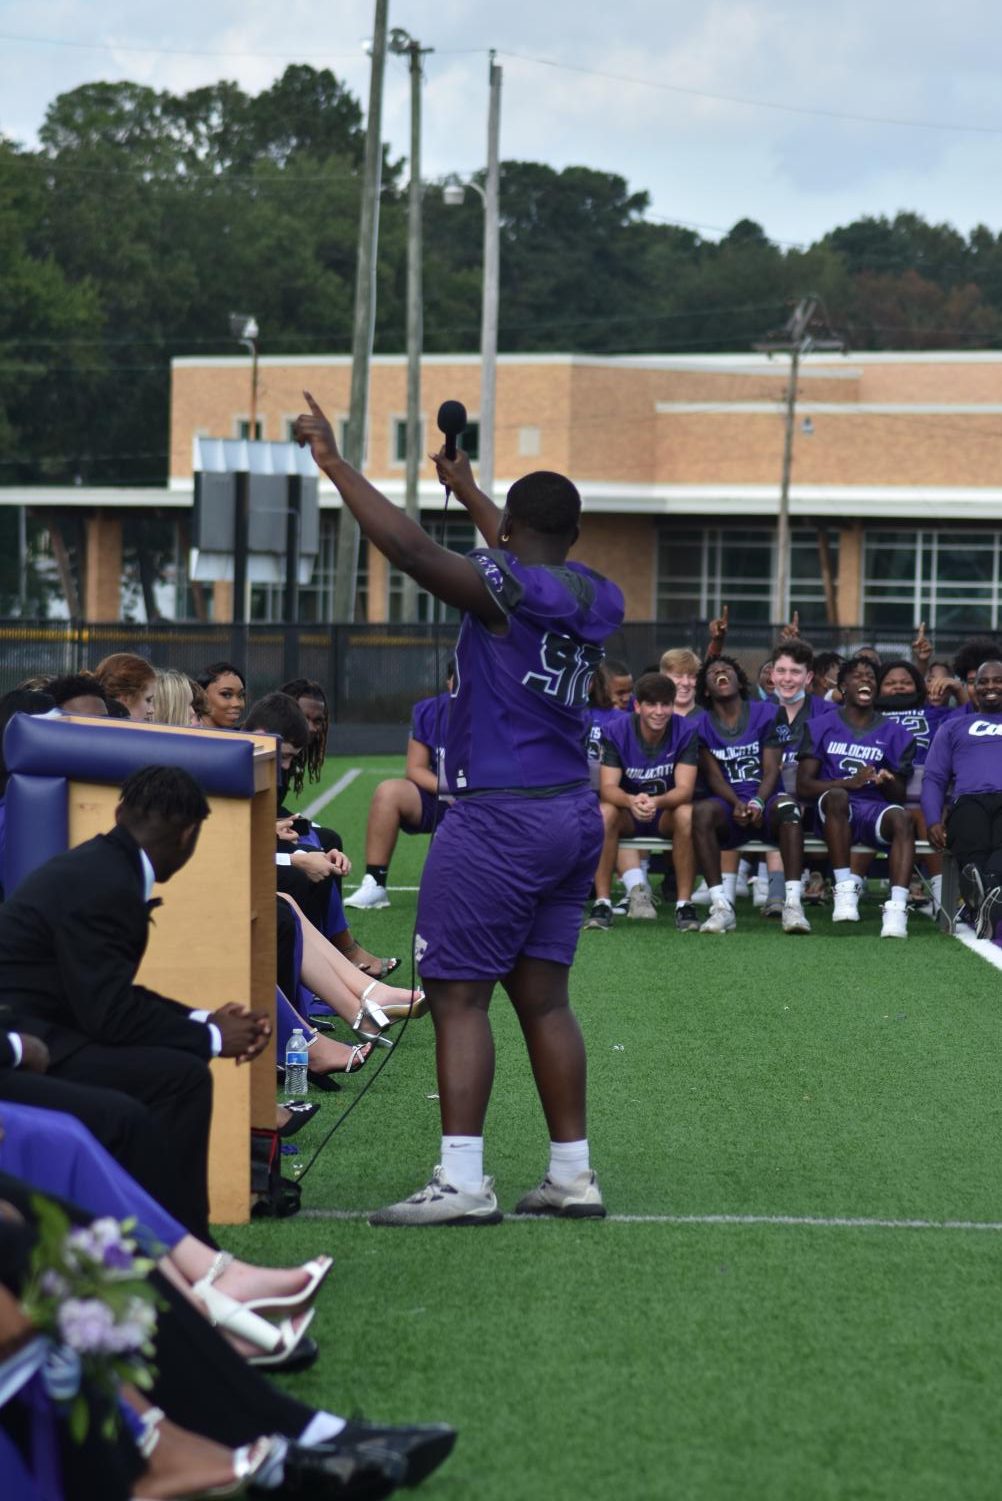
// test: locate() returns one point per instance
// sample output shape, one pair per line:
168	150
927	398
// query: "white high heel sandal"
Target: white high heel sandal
383	1017
276	1341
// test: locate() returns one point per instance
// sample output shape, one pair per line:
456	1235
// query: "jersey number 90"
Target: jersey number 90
566	672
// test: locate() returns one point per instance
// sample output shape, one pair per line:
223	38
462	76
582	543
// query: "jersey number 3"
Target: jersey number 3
567	669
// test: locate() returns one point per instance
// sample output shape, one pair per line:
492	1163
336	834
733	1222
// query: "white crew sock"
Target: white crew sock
321	1427
730	886
631	878
568	1160
717	894
842	873
936	883
463	1162
794	891
762	873
900	894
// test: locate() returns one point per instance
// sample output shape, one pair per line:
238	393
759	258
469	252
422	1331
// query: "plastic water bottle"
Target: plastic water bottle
295	1065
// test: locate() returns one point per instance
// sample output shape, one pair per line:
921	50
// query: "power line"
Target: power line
788	109
143	50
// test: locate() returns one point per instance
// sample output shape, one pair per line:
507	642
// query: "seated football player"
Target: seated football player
610	695
647	781
965	761
902	695
856	762
412	804
739	760
793	680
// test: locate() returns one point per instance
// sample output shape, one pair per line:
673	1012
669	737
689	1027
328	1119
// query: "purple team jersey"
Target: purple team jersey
649	768
790	732
595	723
516	721
842	748
738	751
922	724
967	751
429	722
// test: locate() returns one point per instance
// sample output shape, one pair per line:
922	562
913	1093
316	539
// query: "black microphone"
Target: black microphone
451	422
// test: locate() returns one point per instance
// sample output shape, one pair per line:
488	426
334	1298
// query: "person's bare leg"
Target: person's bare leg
394	802
617	822
181	1463
538	991
676	825
901	860
464	1052
836	826
707	817
240	1279
333	977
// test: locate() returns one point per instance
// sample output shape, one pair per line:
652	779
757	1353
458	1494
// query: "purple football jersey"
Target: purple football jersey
967	751
429	722
649	768
843	748
595	723
738	751
516	720
790	732
922	724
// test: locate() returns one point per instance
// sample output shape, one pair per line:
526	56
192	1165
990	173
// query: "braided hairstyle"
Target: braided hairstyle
309	766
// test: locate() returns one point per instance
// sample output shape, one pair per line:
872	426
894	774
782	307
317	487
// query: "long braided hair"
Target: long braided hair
309	766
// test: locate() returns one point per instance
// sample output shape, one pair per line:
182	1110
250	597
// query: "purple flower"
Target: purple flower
86	1325
118	1258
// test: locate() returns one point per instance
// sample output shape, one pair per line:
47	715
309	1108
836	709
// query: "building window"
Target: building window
399	454
469	441
702	569
949	579
244	428
458	536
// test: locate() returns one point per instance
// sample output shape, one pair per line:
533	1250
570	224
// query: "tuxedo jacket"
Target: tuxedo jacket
72	937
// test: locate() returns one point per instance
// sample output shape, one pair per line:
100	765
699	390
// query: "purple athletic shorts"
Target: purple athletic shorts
506	876
864	818
433	810
732	835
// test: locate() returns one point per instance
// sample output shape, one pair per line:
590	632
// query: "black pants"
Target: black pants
176	1088
974	834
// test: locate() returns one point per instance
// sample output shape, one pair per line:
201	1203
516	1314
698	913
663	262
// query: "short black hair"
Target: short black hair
116	709
217	670
654	688
166	792
826	659
974	651
545	501
913	672
702	691
75	685
278	714
612	667
851	663
797	649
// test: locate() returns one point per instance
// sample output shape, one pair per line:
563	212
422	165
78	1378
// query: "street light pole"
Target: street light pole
346	566
492	267
403	44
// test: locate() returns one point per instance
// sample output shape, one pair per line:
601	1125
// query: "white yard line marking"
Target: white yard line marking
339	786
780	1221
983	947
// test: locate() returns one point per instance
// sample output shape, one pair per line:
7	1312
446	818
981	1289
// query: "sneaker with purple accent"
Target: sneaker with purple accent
442	1203
581	1199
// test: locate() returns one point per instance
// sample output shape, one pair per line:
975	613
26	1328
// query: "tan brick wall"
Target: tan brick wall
623	548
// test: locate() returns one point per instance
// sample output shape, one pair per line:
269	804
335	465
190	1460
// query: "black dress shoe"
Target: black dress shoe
299	1358
422	1446
341	1471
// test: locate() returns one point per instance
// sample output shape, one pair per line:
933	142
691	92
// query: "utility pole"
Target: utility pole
492	266
403	44
807	330
346	567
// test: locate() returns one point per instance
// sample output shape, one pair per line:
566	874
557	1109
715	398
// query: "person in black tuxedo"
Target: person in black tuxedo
72	937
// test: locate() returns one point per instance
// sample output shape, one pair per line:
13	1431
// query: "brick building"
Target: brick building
896	478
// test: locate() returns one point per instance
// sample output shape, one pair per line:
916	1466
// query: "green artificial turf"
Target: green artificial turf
751	1074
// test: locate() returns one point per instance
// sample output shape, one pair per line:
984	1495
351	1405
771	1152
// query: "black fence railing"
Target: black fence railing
372	673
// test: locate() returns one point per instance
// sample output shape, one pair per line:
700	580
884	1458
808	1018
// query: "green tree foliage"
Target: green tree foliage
145	217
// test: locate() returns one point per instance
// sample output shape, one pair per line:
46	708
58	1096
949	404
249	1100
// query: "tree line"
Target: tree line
144	217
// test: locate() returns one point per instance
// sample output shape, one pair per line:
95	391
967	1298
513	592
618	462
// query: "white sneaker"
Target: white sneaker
794	920
369	895
895	923
579	1200
441	1203
701	896
846	907
760	891
721	919
641	904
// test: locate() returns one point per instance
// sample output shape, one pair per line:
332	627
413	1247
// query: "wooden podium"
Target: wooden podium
213	940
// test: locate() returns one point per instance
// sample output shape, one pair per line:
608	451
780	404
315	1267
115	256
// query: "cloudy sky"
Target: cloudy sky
799	114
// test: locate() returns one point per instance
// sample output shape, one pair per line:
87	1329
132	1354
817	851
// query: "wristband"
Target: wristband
756	802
